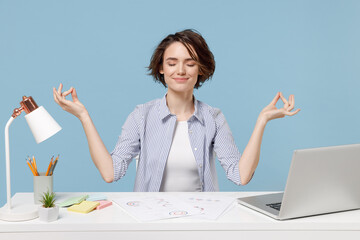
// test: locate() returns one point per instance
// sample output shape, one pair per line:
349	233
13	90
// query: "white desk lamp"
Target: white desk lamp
43	126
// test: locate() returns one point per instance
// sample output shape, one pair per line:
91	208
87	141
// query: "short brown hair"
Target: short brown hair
198	50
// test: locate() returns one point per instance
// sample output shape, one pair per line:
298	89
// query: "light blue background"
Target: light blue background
307	48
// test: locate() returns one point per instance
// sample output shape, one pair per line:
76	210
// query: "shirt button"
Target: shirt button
200	165
190	131
195	149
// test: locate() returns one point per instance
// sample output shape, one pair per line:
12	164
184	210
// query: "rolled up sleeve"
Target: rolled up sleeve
226	149
127	146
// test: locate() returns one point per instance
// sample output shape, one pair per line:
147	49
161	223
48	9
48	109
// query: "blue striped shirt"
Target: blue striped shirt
148	132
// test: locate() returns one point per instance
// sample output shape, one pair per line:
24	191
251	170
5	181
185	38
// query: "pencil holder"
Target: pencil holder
42	184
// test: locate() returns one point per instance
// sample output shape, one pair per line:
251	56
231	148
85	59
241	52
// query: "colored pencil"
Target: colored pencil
50	165
35	166
32	170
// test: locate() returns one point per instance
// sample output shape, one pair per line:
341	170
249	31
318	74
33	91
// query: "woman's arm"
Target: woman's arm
251	155
98	151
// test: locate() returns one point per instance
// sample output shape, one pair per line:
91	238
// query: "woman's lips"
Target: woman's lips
181	79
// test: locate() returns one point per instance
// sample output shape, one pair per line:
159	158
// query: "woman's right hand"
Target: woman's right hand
98	151
74	107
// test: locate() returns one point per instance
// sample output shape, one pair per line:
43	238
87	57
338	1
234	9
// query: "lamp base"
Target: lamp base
19	213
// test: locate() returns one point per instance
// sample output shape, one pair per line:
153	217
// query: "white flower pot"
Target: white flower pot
48	214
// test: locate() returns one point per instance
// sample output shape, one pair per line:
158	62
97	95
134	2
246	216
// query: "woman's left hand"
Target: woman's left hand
271	112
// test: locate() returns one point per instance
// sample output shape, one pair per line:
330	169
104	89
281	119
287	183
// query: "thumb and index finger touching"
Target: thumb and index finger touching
59	95
277	97
288	105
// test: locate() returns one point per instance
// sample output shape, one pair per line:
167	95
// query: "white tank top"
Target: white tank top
181	172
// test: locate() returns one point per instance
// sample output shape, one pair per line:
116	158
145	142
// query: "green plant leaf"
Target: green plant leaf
48	199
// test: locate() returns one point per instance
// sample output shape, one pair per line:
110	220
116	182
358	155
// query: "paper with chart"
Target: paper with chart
155	208
210	207
165	207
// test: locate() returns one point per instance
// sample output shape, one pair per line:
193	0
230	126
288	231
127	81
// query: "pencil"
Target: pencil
35	167
34	162
52	170
32	165
50	164
54	165
30	168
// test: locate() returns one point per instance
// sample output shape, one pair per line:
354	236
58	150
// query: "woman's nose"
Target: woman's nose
181	69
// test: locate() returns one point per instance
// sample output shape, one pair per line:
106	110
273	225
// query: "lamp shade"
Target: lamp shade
41	124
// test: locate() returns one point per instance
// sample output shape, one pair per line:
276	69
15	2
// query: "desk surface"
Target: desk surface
238	218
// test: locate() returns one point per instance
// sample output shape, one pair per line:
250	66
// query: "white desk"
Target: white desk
240	223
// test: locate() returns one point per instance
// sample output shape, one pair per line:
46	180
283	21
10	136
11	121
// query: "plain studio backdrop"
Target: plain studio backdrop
306	48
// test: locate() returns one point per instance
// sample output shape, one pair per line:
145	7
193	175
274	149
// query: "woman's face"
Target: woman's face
179	69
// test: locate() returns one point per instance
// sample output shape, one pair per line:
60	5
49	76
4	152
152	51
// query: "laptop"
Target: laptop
321	180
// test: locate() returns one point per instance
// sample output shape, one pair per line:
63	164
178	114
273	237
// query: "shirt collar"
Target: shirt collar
164	111
197	113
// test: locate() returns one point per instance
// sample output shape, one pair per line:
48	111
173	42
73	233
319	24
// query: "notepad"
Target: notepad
96	197
103	204
74	200
84	207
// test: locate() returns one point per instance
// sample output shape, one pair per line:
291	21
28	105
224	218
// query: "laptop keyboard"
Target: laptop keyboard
276	206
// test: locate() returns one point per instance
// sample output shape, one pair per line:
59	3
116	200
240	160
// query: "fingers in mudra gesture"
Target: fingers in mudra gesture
74	107
271	112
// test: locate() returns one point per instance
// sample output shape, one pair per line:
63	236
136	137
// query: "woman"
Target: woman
177	137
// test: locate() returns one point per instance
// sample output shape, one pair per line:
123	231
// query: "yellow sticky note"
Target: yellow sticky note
84	207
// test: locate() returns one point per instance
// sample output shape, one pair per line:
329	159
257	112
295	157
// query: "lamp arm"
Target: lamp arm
7	154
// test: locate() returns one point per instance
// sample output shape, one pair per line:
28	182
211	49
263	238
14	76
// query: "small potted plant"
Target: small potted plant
48	211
